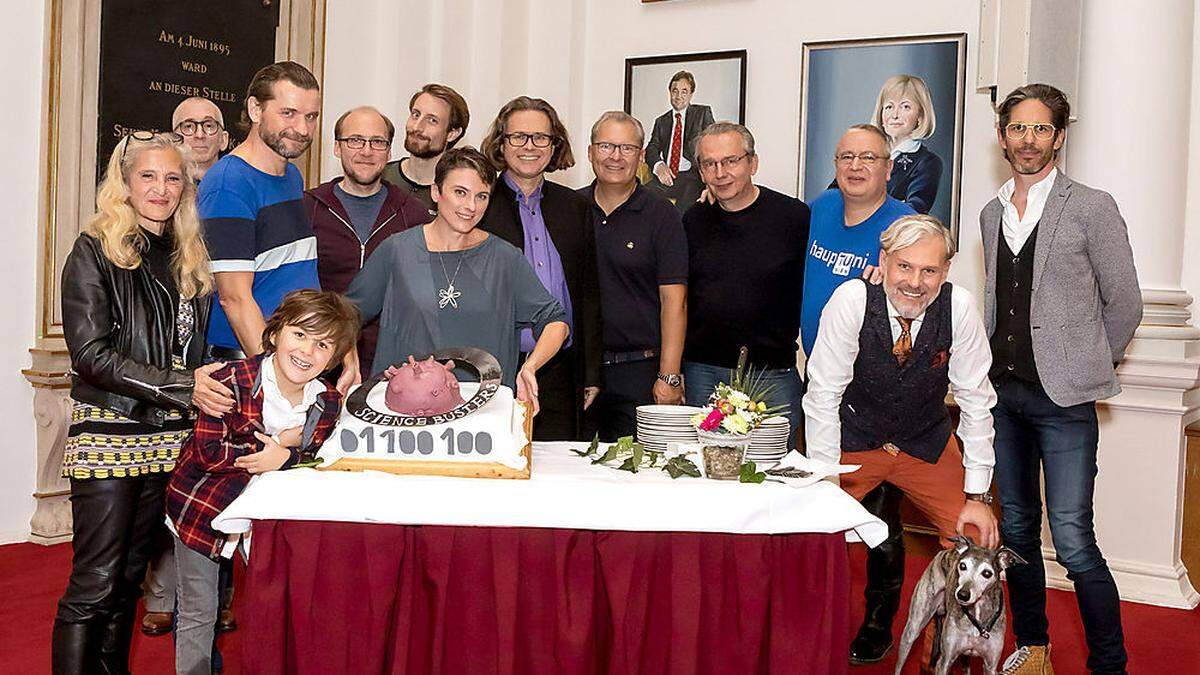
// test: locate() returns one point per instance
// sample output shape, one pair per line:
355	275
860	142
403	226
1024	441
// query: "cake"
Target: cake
417	418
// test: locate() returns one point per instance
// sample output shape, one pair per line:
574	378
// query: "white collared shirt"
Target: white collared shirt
684	164
831	368
278	414
1017	228
906	146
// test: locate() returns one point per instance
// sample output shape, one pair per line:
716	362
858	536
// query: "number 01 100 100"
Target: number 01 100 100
407	442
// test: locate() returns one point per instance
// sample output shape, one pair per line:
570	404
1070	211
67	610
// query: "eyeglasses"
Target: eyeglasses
709	165
867	158
627	149
358	142
518	139
1041	130
208	126
147	136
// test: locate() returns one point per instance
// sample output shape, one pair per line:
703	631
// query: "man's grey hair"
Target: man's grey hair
718	128
908	230
887	141
619	116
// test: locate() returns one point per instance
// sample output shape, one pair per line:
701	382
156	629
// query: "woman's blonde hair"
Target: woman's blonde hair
915	89
116	222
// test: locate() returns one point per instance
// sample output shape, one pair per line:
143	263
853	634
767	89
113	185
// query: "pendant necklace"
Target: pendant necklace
449	295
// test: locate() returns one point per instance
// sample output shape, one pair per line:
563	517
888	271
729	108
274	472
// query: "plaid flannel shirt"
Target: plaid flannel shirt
205	481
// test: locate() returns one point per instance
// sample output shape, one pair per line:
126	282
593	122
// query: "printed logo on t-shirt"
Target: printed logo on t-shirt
842	262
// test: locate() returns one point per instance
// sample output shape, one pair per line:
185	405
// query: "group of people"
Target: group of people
198	334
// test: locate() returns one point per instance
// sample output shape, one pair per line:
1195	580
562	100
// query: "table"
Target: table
580	569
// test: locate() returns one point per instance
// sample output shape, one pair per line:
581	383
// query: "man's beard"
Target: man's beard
1020	166
422	151
275	141
359	178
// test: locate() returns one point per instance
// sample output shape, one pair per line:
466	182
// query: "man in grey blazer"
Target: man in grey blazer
1061	303
671	152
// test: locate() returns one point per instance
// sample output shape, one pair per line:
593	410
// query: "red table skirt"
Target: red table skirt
326	597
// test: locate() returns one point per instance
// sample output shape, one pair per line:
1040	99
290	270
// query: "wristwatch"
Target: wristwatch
982	497
672	380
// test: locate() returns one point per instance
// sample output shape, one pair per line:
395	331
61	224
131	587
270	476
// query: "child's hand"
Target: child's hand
270	458
290	438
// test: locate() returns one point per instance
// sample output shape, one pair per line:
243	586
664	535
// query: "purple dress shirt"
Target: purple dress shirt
542	255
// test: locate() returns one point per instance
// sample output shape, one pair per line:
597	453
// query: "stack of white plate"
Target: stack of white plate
769	442
658	425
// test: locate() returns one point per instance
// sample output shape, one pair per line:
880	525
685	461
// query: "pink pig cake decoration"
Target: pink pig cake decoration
422	388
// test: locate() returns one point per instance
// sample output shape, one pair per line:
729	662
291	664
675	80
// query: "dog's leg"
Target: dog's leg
928	597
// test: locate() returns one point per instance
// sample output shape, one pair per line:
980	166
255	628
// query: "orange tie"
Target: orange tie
903	349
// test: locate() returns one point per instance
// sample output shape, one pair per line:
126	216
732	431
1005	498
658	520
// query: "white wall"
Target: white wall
20	124
572	52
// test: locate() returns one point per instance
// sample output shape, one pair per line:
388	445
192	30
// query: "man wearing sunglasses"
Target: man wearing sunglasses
1061	303
354	213
202	125
641	254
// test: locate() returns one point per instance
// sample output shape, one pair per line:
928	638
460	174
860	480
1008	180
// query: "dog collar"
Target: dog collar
986	631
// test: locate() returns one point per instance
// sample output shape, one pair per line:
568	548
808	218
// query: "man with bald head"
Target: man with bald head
353	214
201	123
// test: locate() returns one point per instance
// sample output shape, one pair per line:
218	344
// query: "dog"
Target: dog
961	587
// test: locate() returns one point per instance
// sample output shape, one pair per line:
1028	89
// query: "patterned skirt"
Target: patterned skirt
104	444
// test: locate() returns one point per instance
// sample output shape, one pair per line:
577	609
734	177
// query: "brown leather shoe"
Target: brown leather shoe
226	622
157	623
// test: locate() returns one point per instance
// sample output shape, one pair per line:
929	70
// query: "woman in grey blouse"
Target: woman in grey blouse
448	284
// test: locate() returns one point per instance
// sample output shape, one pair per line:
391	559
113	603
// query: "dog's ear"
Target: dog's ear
1006	558
961	543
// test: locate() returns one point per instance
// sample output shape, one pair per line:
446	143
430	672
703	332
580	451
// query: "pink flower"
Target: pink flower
713	421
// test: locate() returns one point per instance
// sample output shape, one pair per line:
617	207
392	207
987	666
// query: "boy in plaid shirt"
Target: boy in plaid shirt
282	414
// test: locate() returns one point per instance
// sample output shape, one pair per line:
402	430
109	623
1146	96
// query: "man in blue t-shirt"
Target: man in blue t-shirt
843	241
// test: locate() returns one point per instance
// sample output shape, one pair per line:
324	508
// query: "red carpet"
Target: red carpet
32	577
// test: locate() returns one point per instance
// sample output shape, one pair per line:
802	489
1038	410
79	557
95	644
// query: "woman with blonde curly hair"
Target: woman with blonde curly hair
136	293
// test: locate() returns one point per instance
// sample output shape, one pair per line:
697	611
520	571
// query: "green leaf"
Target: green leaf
629	465
748	474
595	445
681	466
612	453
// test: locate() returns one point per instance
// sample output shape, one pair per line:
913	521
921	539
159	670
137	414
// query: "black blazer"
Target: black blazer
657	150
569	221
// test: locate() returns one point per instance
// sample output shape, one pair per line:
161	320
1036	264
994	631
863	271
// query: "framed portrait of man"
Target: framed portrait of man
913	89
675	97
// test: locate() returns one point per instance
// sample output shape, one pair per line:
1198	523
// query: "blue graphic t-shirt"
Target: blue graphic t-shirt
837	253
256	222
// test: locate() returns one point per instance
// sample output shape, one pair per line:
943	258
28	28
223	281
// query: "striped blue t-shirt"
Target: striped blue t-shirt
256	222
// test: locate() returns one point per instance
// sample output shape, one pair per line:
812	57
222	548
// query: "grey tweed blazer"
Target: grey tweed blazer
1086	301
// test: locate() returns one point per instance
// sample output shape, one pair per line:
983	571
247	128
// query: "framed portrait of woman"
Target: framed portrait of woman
911	87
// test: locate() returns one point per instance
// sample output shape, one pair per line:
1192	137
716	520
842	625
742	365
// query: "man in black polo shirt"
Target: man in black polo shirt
745	273
642	259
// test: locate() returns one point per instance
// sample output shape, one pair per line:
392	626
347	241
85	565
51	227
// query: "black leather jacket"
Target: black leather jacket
119	325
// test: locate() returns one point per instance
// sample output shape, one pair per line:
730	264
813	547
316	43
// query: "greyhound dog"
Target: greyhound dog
961	587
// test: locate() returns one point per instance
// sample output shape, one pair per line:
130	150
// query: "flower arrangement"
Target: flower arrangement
740	407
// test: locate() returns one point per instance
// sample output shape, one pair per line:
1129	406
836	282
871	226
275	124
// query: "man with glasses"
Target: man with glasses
642	257
1061	303
671	150
847	221
353	214
437	119
200	121
745	273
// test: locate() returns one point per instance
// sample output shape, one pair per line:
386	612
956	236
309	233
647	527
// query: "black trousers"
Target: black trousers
560	396
626	386
114	524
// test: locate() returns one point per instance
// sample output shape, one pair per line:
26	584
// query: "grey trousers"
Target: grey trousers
159	586
196	617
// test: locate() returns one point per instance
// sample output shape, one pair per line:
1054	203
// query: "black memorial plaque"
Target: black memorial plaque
154	54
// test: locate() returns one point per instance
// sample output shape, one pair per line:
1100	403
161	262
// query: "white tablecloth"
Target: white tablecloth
565	491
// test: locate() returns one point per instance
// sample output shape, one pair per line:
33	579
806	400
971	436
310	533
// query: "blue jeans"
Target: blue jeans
699	380
1036	437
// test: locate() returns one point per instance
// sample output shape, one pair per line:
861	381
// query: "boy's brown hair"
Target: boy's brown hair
320	313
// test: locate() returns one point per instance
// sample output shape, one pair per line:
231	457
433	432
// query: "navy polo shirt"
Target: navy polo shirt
639	247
